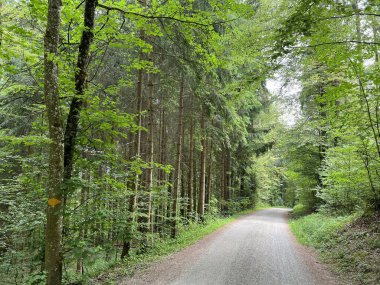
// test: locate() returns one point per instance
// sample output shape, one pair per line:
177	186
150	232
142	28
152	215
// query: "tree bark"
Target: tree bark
132	201
82	228
222	178
227	179
209	177
202	180
190	185
53	233
145	208
177	176
80	85
162	160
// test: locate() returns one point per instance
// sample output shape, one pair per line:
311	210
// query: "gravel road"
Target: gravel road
257	249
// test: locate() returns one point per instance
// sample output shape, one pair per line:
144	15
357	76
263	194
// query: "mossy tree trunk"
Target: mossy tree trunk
53	233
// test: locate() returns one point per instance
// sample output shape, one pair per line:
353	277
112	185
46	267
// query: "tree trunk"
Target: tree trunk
162	160
190	185
1	30
53	233
80	85
202	179
225	179
144	221
82	228
132	201
177	176
149	182
209	177
222	184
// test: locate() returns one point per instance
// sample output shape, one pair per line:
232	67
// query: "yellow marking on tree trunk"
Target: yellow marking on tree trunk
53	202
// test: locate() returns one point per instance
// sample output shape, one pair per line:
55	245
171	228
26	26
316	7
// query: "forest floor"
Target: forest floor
350	245
255	249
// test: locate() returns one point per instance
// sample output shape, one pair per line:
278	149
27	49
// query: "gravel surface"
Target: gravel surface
257	249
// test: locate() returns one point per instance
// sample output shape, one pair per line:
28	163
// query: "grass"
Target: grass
350	244
188	235
318	230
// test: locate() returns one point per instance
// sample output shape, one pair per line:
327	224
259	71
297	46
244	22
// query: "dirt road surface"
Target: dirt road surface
256	249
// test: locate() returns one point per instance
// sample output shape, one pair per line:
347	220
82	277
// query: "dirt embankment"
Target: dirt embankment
355	251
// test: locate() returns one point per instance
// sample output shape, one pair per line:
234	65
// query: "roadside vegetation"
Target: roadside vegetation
114	271
350	243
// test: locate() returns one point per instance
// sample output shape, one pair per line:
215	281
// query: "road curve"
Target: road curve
257	249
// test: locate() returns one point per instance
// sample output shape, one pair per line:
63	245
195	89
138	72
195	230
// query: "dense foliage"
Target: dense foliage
125	121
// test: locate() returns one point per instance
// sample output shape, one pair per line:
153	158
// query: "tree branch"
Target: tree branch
109	8
337	43
349	15
146	16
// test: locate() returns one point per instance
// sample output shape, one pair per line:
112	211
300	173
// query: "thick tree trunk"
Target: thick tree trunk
202	179
177	175
53	238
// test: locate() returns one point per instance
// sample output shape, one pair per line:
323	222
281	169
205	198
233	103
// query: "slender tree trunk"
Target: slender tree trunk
144	222
222	183
1	29
82	228
183	204
132	201
209	177
195	196
190	185
177	175
80	85
323	139
162	160
53	238
227	180
202	180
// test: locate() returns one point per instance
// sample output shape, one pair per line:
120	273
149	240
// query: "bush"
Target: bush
300	210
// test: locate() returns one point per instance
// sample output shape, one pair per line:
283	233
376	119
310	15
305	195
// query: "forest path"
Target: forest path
256	249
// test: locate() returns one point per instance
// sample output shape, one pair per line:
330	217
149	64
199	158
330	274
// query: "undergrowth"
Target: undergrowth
188	235
351	244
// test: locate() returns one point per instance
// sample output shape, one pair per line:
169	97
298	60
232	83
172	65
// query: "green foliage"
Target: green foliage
223	53
318	230
348	243
345	179
299	210
189	234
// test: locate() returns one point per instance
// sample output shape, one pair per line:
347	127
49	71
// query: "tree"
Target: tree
53	247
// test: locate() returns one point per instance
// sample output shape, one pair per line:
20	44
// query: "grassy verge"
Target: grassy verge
349	243
188	235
